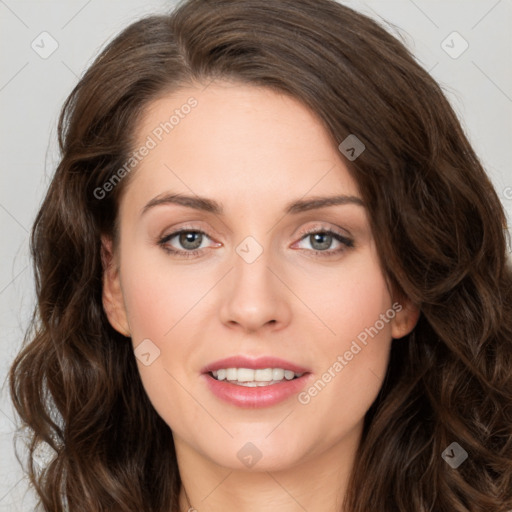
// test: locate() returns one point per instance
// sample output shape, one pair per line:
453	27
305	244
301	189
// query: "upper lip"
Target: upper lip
253	363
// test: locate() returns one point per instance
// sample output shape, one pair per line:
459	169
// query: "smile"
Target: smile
254	377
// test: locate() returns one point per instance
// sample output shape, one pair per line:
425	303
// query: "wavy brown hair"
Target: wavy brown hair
439	227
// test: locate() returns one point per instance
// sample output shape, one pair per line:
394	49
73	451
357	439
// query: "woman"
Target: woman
271	274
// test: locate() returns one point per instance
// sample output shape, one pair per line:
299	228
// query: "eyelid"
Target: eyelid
324	227
302	232
181	229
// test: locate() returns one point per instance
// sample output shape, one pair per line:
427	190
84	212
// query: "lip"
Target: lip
253	364
256	397
252	398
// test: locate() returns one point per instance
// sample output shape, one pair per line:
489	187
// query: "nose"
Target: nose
253	295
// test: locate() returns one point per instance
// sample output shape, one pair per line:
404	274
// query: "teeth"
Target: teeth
265	375
231	374
253	378
245	375
277	374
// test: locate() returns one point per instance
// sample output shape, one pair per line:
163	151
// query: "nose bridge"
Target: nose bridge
252	262
253	296
251	274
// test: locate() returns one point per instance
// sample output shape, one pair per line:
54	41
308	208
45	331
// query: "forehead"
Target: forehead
231	140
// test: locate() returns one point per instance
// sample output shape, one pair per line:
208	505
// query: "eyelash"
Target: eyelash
346	242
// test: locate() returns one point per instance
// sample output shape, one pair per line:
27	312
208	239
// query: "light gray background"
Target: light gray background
32	89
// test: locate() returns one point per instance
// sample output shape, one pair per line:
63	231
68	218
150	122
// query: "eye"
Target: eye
190	239
322	239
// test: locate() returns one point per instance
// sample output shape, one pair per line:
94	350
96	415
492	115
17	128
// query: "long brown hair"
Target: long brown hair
439	227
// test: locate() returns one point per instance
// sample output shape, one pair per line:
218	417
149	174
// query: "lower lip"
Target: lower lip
262	396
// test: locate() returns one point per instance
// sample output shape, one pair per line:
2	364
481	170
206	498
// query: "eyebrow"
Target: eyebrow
212	206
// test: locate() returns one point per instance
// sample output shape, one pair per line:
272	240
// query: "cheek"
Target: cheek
159	304
358	311
157	296
349	300
166	303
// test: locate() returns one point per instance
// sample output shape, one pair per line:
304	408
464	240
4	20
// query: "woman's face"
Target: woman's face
239	170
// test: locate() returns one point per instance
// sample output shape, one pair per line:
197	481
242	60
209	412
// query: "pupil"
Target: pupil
324	245
188	238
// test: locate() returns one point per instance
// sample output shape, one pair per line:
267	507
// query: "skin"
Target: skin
252	150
